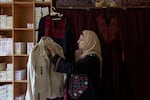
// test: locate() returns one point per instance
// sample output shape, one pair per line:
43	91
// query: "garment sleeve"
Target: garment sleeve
83	66
30	93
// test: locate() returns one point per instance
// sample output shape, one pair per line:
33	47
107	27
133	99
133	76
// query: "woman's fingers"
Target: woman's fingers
51	50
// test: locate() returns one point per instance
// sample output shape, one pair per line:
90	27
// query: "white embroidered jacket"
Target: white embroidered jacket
43	81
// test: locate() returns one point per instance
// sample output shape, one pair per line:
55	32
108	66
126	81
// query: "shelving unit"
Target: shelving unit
23	13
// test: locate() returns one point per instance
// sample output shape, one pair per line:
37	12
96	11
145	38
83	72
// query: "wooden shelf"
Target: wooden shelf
6	29
5	81
24	4
5	5
42	4
20	55
23	29
21	81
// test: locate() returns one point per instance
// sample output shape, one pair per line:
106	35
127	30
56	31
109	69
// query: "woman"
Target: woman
84	80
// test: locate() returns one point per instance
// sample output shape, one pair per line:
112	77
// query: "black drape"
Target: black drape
122	80
135	37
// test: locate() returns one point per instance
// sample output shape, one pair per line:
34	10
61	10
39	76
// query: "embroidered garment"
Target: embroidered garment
83	67
77	85
65	3
135	2
59	31
43	81
107	31
55	28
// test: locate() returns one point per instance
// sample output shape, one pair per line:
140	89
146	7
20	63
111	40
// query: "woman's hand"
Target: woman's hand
52	50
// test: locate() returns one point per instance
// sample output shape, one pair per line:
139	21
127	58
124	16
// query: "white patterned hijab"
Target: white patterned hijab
91	46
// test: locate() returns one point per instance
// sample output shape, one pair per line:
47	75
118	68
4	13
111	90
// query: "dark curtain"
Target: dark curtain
135	39
127	79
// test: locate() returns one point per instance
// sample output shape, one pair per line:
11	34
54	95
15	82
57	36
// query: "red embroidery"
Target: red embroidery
55	28
107	32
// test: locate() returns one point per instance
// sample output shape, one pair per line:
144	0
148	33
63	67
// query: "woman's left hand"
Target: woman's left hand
51	50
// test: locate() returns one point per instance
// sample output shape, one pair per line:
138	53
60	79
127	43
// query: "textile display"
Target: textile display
66	3
135	2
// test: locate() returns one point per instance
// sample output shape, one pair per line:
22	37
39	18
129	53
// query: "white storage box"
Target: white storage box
20	48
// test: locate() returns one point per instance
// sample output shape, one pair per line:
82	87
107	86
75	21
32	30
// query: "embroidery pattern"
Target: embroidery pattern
107	32
78	85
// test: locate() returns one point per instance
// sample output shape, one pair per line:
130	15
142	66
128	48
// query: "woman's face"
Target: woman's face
80	42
